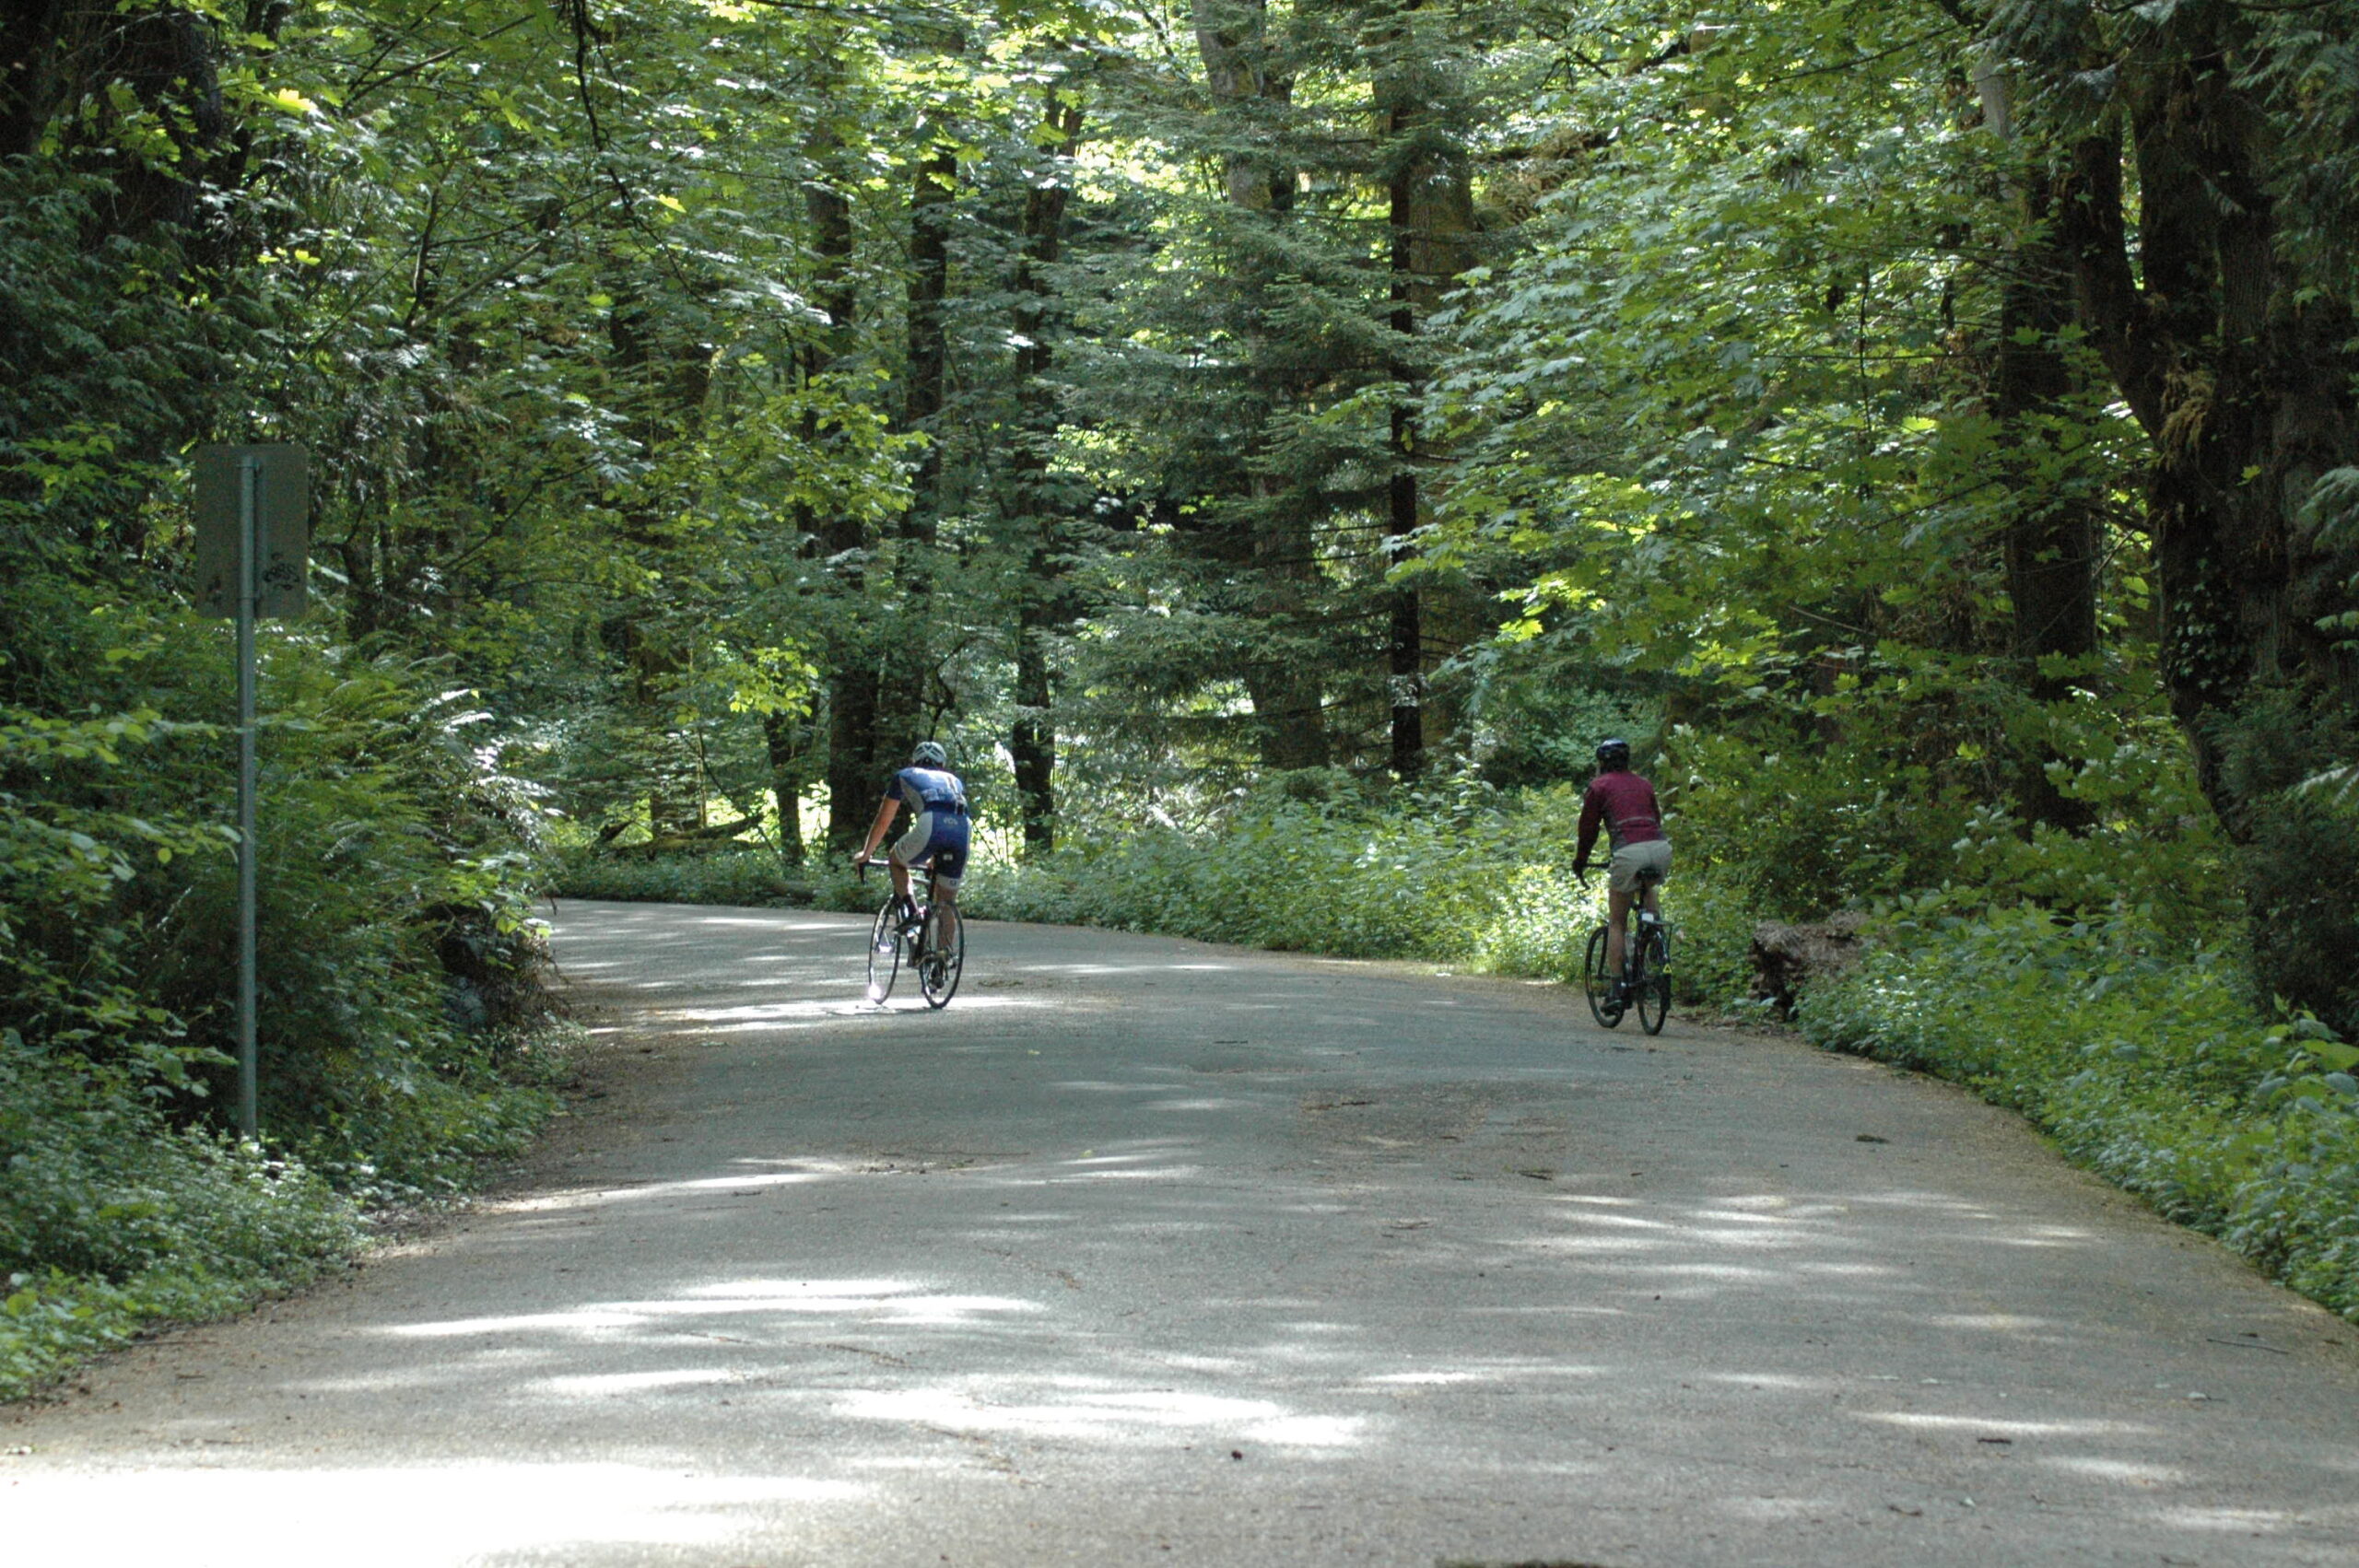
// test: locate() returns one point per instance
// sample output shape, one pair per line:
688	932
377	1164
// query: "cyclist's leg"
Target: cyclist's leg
1655	858
910	850
1617	921
949	864
1641	868
1621	893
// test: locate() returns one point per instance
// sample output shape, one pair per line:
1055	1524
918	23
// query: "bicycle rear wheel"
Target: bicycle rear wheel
939	965
1599	983
1654	983
884	951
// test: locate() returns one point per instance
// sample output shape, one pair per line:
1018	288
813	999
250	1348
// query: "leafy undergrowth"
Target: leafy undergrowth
111	1220
403	1031
2142	1060
114	1220
749	876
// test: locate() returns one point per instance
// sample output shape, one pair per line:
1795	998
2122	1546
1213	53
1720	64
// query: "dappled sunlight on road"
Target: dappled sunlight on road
758	1016
1580	1281
405	1516
877	1301
1082	1410
1140	1242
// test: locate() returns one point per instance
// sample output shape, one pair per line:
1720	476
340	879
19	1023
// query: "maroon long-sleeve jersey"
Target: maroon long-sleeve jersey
1625	804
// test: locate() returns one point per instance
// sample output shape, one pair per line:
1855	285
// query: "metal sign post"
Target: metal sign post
250	485
251	550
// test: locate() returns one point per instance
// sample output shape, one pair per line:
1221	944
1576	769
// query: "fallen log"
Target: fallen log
694	839
1788	959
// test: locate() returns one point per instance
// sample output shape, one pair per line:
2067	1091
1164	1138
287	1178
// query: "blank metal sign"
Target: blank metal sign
283	497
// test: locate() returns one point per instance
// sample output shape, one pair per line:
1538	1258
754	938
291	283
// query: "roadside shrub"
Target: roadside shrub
2300	849
111	1217
1809	830
2142	1058
388	838
400	977
749	875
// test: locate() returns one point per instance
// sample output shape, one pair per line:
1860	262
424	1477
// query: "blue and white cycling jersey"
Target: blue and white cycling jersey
938	826
930	789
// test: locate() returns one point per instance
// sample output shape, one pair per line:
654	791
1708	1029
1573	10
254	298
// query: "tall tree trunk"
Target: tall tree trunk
1405	634
1283	682
841	537
1232	37
79	68
1430	204
1406	639
1042	600
2052	529
2244	377
785	738
669	374
902	677
932	185
2243	384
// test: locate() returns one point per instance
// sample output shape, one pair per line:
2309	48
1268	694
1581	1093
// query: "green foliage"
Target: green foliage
749	877
1811	827
107	365
2300	855
400	978
393	920
111	1218
2141	1056
1662	358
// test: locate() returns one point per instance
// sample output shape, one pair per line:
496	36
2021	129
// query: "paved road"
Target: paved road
1148	1252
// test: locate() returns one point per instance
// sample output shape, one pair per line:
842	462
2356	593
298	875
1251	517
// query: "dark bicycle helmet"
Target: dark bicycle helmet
1614	753
929	754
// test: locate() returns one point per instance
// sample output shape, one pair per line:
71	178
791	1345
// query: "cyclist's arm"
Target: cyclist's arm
884	810
1590	817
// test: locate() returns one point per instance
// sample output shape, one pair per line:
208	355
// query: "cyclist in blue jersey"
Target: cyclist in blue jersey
937	835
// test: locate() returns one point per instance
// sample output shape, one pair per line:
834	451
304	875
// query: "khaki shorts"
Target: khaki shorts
1622	872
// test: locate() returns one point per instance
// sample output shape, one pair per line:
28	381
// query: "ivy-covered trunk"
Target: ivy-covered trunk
2243	375
2243	383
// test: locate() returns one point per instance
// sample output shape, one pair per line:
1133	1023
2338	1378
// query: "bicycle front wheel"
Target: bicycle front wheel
939	963
884	951
1598	982
1654	984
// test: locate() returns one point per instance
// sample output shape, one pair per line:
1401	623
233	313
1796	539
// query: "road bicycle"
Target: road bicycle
912	936
1646	961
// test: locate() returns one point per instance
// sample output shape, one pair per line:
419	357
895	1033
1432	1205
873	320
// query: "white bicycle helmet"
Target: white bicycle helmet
929	754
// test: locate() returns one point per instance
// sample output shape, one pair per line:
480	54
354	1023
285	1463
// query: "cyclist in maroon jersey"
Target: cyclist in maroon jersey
1625	804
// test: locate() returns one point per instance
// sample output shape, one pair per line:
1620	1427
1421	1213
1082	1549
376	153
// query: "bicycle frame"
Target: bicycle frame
937	969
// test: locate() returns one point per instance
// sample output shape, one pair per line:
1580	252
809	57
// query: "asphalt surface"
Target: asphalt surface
1149	1252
